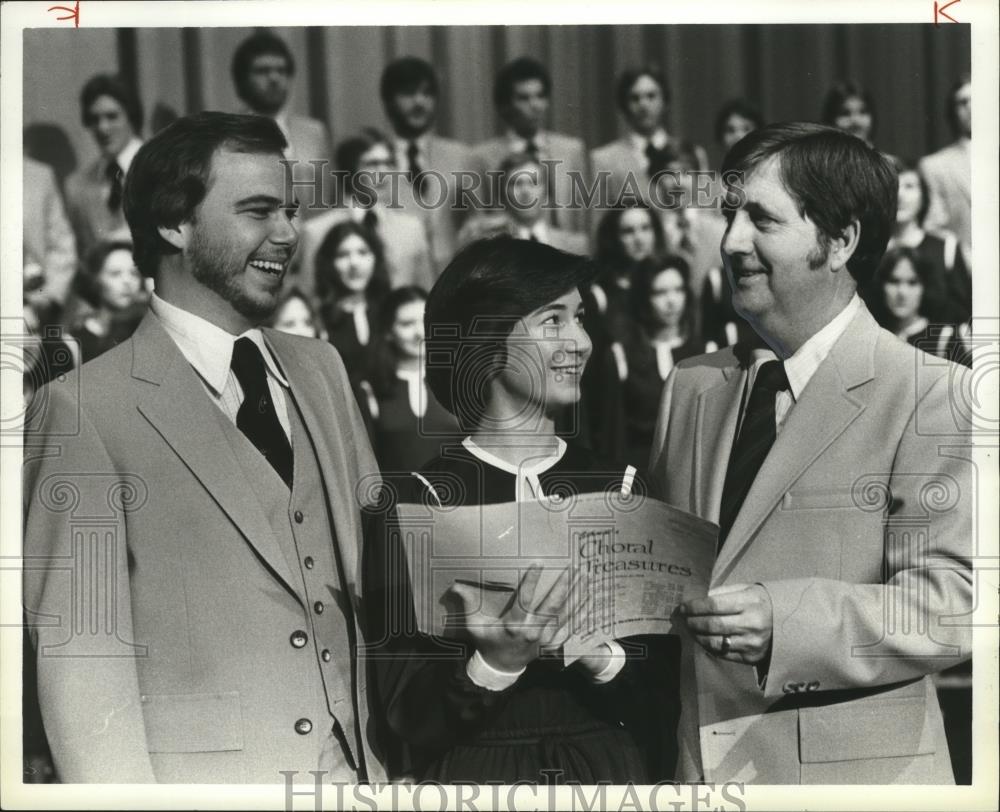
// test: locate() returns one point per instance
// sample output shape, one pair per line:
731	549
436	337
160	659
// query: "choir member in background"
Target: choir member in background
690	206
904	292
410	91
523	180
111	110
371	190
662	333
631	161
625	237
488	708
734	120
295	315
850	107
940	250
407	424
111	288
351	281
263	70
522	94
949	170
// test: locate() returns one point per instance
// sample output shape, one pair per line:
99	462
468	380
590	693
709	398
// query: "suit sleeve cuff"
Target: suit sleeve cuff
486	676
612	669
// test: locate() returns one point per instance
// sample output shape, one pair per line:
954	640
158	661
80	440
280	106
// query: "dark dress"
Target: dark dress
93	342
941	341
554	724
643	387
343	334
951	300
403	441
720	323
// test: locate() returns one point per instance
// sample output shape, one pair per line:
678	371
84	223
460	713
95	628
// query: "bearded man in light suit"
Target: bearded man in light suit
200	479
839	472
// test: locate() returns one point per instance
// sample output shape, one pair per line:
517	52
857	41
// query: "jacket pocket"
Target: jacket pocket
820	499
873	728
193	723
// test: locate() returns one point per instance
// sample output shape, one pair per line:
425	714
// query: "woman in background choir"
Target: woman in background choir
735	119
295	315
625	237
849	107
112	299
406	422
662	334
351	282
903	292
939	250
488	709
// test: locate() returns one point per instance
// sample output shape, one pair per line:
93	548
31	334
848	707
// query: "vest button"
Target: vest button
319	607
298	639
308	561
303	727
299	518
326	655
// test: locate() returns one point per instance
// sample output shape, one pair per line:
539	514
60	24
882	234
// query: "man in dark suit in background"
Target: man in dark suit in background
211	470
522	93
410	94
263	69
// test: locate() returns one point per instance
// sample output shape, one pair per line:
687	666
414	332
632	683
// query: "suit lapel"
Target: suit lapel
827	407
718	412
332	455
182	413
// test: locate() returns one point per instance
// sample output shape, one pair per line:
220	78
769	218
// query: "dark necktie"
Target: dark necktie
657	158
114	174
257	418
370	221
753	443
531	149
415	175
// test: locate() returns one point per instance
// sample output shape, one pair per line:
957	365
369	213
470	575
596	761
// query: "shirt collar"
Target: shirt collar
535	465
659	138
124	158
918	326
519	144
801	366
208	348
539	230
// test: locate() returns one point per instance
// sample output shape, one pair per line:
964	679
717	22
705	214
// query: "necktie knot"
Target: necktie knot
256	417
248	363
772	377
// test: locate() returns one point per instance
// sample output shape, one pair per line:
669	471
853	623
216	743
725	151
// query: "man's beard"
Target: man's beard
216	269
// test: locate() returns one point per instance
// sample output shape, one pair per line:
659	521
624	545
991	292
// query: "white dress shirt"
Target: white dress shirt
800	367
209	350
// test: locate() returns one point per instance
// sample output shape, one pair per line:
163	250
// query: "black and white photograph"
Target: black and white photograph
451	405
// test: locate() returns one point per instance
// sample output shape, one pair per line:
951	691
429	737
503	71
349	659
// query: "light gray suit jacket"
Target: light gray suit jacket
48	238
859	526
445	157
154	587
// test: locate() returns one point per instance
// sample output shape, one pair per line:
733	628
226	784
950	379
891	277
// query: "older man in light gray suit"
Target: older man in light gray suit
837	465
192	525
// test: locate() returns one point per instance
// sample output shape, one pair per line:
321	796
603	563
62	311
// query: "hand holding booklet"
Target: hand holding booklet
636	559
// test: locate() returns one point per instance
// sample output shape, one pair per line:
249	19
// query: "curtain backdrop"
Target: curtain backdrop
786	69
